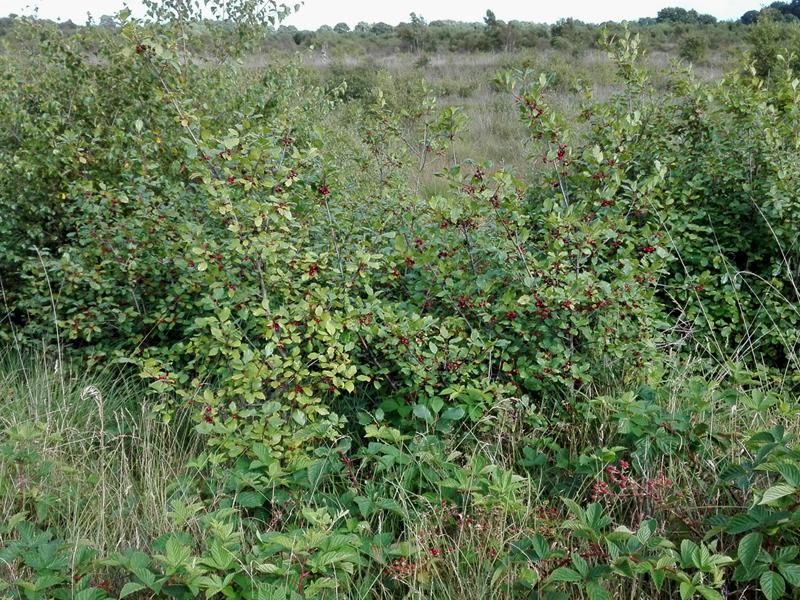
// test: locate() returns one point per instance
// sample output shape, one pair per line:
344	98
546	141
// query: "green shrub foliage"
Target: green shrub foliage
257	247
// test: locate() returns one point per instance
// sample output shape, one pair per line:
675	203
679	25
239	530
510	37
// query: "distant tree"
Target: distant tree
676	14
325	29
381	28
750	17
107	22
786	9
768	38
499	35
6	23
341	28
566	27
414	34
361	27
67	26
303	38
494	35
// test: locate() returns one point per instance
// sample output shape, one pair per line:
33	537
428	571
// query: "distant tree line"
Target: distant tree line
495	35
782	11
675	14
492	34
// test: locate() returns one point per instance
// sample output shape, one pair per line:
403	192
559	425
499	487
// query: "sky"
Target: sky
329	12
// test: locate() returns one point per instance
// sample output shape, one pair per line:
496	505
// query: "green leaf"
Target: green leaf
580	564
250	499
741	523
772	585
176	553
749	547
645	531
91	593
42	582
131	588
595	591
400	243
421	412
790	472
709	594
791	573
453	414
776	492
540	546
686	590
330	327
564	574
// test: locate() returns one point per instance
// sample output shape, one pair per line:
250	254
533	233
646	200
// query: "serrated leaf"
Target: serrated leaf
565	574
42	582
580	564
686	590
772	585
709	594
790	472
595	591
776	492
250	499
749	547
741	523
176	553
791	573
645	532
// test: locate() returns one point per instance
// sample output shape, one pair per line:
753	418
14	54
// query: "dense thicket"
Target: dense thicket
574	379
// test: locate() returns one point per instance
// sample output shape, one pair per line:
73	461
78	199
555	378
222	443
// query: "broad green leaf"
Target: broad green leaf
564	574
772	585
595	591
421	412
709	593
776	492
250	499
749	547
791	573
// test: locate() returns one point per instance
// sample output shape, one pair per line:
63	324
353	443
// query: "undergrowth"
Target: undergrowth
253	353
